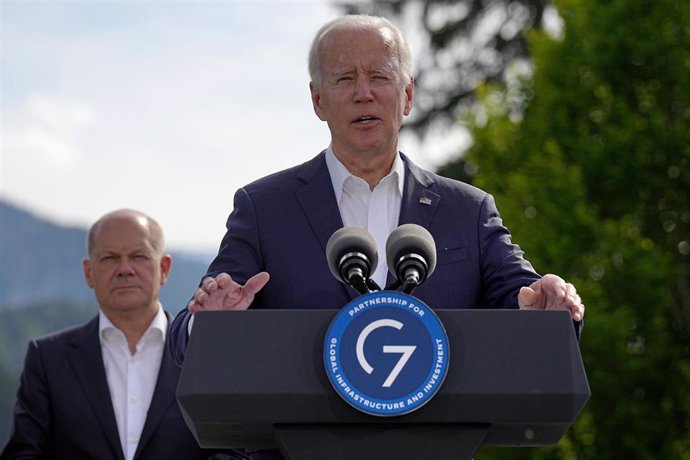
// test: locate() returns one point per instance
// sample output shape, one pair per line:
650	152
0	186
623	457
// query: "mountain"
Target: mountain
41	263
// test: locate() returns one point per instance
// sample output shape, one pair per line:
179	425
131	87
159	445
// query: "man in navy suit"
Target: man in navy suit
106	389
362	87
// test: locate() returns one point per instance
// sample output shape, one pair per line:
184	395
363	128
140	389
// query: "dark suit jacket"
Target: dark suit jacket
281	224
64	410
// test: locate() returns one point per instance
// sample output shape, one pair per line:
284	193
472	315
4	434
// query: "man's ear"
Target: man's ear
86	267
166	265
409	96
316	101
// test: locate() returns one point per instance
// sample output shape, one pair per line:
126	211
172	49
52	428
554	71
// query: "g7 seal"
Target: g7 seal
386	353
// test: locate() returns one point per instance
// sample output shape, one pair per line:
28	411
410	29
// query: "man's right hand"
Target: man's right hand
222	293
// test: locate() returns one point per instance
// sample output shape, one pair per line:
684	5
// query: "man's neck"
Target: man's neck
134	324
371	168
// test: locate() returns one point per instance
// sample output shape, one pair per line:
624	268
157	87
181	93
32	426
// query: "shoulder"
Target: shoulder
290	177
444	186
71	334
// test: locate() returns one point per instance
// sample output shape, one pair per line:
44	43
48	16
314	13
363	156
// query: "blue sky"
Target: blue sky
163	106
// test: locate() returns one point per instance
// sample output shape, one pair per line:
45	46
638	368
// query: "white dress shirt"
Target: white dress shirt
376	211
132	377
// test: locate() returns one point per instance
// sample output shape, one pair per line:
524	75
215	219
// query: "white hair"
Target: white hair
398	46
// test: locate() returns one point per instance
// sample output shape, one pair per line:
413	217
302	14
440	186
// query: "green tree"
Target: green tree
591	171
458	44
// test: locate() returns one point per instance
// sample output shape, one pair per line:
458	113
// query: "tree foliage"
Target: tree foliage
592	174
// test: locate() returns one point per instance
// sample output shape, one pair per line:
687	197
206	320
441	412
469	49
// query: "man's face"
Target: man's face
124	270
363	94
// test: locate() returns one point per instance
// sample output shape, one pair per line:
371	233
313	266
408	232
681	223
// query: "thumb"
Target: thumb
527	297
256	283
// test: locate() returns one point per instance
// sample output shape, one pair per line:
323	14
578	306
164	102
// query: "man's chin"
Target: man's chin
128	292
371	146
128	299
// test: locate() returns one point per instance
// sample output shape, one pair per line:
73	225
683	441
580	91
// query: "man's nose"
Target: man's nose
363	89
125	267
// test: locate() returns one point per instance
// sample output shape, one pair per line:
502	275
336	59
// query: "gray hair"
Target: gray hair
399	47
155	231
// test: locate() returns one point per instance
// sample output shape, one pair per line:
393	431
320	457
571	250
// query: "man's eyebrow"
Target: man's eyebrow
340	72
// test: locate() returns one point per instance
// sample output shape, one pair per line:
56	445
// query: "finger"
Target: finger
193	307
571	292
225	281
555	287
256	283
527	297
572	301
577	309
576	299
209	284
576	315
200	296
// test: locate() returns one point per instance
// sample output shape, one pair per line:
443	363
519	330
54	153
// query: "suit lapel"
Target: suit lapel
163	395
318	203
317	200
419	203
84	355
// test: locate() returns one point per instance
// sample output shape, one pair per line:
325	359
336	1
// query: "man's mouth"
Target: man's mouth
365	120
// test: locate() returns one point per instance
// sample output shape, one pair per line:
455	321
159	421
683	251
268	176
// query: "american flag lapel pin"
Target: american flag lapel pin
425	200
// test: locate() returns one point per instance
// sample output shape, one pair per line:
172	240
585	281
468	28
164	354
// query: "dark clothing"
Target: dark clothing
64	409
281	224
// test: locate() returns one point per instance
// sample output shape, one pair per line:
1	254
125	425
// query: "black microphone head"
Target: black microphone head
410	239
353	243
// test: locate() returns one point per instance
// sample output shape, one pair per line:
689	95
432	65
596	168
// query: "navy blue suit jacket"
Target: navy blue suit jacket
281	224
64	410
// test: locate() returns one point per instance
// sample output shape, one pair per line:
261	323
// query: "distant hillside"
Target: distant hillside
41	263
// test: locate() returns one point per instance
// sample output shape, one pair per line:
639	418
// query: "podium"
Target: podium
256	379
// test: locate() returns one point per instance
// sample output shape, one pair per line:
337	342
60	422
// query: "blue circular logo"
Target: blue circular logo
386	353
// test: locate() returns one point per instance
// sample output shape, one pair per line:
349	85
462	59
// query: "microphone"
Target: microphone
352	257
411	256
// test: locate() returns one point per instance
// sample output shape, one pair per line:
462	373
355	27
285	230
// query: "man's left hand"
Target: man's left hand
552	293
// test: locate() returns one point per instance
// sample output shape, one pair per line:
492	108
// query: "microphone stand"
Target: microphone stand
372	285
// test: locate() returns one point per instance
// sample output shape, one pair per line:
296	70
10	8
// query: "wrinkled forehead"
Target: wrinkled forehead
372	48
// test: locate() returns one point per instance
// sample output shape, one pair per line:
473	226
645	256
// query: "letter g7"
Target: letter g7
404	350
